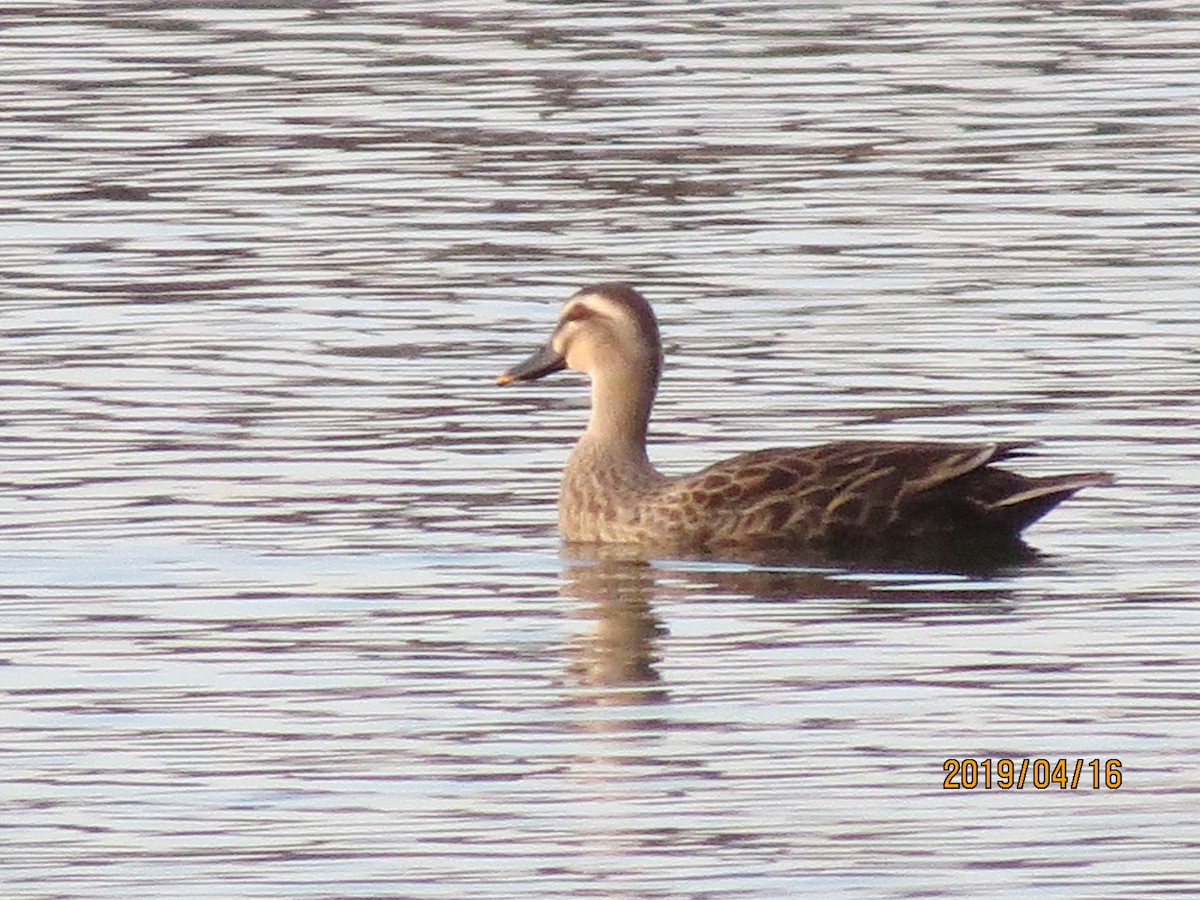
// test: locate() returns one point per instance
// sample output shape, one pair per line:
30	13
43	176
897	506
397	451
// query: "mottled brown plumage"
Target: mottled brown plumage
851	498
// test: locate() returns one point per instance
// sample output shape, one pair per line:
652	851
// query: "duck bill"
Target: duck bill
544	361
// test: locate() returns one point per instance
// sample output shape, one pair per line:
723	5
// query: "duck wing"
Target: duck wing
865	496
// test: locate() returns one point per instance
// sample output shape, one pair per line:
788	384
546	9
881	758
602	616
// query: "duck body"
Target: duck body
848	498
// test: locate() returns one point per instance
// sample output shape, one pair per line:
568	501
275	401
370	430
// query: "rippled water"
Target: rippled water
283	612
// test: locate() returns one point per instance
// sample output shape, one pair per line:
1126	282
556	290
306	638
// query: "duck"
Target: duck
849	498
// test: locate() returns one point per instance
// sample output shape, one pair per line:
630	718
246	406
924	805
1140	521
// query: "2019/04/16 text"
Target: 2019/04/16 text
1007	774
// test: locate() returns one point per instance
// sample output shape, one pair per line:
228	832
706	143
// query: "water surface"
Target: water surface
283	609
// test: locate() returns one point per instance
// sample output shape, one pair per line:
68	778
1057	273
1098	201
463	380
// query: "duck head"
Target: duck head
605	330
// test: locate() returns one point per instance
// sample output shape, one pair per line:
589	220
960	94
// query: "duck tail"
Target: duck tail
1035	497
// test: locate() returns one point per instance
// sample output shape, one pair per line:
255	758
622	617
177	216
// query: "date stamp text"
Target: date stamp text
1006	774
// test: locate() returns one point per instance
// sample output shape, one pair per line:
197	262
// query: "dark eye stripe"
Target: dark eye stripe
577	312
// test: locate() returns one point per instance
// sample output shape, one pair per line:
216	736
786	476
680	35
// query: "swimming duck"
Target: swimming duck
870	498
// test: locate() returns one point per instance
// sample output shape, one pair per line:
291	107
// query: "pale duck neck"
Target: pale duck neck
621	402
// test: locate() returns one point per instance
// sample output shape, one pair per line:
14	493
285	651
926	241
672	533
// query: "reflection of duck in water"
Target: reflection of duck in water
614	660
620	650
851	498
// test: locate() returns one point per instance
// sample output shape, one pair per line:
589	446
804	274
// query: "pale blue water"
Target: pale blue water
282	609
